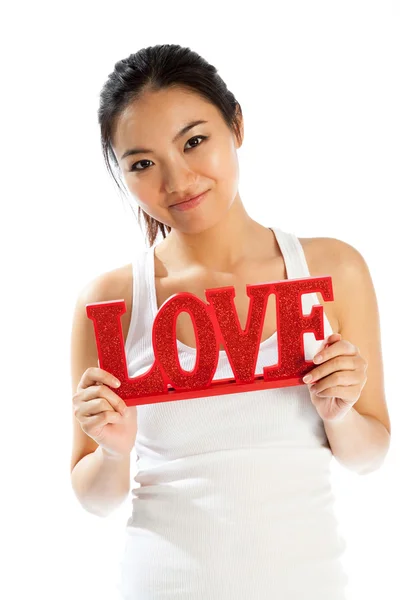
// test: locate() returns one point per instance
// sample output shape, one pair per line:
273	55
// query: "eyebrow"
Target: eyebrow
180	133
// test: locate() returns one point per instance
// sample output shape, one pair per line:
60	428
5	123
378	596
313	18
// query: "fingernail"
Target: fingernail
307	378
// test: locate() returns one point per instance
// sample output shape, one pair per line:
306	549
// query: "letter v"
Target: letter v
242	347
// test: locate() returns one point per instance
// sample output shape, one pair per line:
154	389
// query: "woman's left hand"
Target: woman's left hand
338	380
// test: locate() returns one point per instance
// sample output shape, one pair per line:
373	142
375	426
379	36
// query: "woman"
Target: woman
235	498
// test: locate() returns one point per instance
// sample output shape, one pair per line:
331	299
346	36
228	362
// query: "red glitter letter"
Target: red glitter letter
106	317
292	324
165	348
242	347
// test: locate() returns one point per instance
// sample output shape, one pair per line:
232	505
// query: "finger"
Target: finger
337	348
94	375
89	423
334	337
338	378
344	393
111	399
331	339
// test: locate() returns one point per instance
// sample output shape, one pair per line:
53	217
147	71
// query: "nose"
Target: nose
180	179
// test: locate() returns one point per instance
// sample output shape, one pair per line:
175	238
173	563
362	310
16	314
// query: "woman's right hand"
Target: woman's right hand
103	415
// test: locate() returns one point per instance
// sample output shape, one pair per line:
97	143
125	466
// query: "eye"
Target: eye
196	137
135	169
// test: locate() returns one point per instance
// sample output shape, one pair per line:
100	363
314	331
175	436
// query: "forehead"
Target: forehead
164	111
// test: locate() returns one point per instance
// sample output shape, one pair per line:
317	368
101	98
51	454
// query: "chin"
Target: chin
201	221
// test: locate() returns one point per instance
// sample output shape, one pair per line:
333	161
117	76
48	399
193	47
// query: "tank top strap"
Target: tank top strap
293	254
141	321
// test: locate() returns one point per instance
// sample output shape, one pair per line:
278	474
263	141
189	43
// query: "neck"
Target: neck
221	247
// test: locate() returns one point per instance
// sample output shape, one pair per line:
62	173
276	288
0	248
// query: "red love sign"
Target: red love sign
214	323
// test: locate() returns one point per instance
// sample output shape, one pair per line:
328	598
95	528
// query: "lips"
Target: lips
190	204
188	198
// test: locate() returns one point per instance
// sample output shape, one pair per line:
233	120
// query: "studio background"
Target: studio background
319	88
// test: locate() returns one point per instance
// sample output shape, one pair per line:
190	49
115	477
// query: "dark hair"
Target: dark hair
151	69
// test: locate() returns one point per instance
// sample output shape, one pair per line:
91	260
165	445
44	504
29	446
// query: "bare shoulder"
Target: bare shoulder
321	254
324	253
343	262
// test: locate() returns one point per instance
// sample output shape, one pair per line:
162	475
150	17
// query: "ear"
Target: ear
239	117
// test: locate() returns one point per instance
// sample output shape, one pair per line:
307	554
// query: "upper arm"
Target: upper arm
359	323
109	286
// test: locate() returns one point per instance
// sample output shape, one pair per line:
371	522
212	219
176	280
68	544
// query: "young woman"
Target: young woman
235	499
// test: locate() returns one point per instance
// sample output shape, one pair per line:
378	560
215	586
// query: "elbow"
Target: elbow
378	463
94	511
104	508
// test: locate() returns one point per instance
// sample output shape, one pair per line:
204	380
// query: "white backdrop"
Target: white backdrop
318	83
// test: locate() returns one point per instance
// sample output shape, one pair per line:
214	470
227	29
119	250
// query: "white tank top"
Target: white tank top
235	499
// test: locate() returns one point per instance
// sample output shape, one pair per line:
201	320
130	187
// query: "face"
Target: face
171	166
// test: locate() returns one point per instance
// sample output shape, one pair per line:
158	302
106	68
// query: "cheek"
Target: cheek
143	197
227	175
149	207
222	170
143	192
221	160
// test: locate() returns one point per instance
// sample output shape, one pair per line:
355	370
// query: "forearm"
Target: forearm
359	442
101	482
